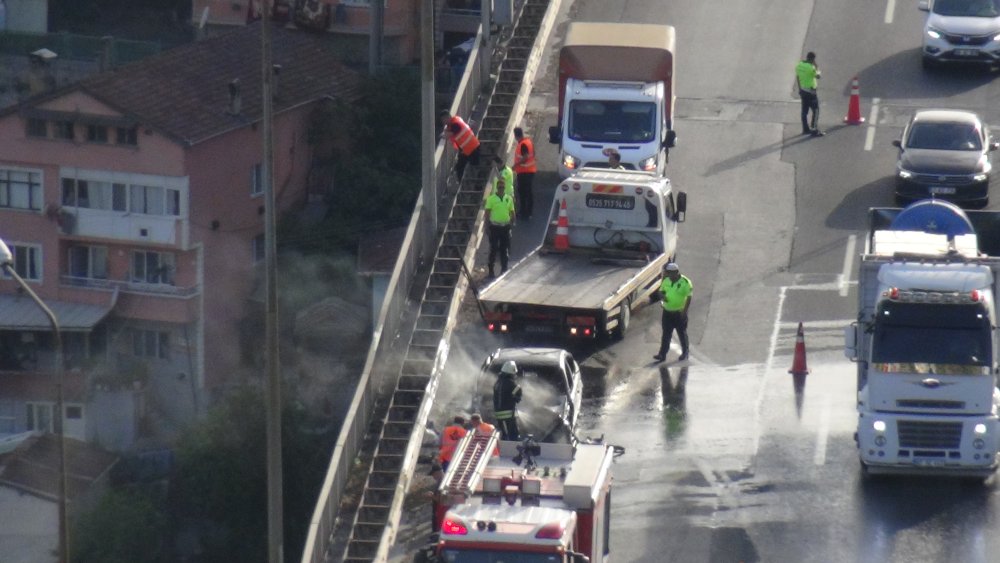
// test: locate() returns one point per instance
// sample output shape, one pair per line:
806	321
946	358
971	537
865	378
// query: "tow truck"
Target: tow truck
534	502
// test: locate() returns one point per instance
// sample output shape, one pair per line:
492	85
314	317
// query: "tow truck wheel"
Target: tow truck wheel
624	318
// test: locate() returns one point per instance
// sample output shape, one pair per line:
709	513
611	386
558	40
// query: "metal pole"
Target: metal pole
60	426
486	49
376	38
275	518
428	119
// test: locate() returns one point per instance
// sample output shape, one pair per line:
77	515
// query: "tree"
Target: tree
221	477
124	527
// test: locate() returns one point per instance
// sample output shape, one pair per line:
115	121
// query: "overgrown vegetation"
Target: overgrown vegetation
216	507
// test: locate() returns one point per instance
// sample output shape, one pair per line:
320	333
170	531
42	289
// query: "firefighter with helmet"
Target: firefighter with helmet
506	396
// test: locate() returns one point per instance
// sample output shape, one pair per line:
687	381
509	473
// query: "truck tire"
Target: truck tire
624	319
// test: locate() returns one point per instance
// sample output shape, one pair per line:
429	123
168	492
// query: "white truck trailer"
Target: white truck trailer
587	276
925	342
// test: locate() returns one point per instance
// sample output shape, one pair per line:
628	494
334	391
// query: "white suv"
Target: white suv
961	31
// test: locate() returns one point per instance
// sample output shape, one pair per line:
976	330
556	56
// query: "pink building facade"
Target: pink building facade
133	204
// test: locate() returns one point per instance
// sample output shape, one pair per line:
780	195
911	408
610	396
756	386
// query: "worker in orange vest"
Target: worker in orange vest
525	168
449	440
477	424
463	139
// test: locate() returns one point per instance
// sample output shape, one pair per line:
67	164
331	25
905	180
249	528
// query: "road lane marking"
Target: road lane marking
768	364
872	120
819	458
890	7
845	274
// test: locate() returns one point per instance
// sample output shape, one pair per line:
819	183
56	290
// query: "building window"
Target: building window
39	417
8	421
97	133
74	412
93	195
257	248
20	189
89	262
152	267
146	199
38	127
151	344
64	130
27	261
257	180
127	136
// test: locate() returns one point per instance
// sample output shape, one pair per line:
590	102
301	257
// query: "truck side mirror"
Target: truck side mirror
555	134
897	143
671	139
924	5
682	204
851	342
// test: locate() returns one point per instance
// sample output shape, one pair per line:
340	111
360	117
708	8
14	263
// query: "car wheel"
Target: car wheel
624	319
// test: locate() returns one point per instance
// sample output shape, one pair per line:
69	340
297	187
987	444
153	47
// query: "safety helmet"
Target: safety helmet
509	367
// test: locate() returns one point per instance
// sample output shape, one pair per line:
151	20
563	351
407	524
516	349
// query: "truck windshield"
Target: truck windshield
933	339
486	556
612	122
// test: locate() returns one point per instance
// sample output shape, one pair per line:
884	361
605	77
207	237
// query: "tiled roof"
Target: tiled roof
34	466
184	92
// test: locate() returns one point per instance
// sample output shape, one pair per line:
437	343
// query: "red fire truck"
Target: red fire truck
532	503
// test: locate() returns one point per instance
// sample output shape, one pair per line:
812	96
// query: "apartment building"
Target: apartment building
133	204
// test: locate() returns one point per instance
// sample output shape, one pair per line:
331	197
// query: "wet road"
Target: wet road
726	460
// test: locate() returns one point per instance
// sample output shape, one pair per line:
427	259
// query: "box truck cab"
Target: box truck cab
616	93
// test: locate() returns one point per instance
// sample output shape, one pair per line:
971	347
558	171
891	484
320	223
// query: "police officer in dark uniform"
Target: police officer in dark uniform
506	396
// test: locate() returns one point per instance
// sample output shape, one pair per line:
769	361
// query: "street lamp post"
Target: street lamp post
7	264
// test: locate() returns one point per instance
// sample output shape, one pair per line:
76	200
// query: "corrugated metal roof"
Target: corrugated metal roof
20	312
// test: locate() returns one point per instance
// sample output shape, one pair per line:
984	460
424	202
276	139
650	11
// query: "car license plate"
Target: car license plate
966	52
544	329
942	190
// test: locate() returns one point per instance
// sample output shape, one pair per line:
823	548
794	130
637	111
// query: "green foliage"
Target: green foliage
222	477
376	176
124	527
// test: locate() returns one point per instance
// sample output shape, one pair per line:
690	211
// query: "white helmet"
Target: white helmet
509	367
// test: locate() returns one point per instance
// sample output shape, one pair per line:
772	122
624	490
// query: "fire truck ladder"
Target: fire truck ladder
466	470
364	527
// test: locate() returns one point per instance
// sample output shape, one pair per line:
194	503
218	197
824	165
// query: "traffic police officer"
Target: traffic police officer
676	298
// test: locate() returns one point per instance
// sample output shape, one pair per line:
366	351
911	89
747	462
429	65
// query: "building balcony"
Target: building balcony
154	289
122	226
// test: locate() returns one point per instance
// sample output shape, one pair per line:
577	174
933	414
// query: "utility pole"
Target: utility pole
428	121
275	517
486	49
376	38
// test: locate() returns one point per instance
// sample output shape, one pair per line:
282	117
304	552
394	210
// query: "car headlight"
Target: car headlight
570	161
904	174
648	164
981	177
979	429
879	425
933	33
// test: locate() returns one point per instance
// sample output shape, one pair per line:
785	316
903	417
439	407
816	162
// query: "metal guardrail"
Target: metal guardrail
418	245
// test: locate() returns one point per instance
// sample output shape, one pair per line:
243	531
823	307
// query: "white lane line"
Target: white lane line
819	458
768	364
890	7
845	274
872	120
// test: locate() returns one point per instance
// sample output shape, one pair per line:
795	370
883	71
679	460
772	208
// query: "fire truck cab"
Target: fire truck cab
532	503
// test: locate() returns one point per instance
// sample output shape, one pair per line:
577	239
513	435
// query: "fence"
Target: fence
419	245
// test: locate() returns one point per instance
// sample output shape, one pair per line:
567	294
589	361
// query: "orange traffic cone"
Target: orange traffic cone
853	116
799	361
562	229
